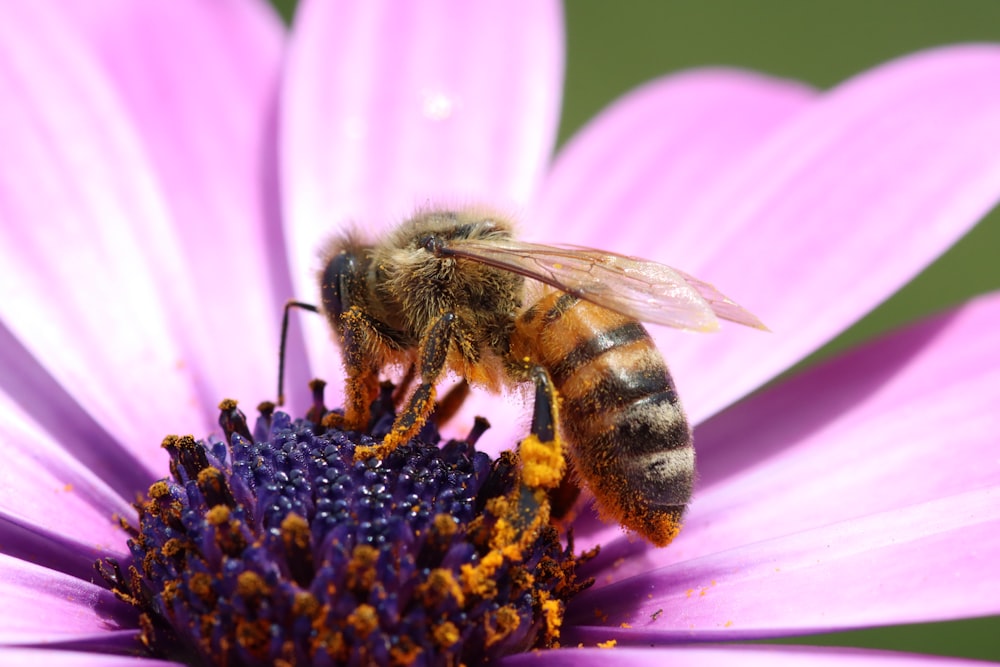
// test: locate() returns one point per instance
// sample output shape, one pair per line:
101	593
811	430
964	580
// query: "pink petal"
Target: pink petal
391	106
32	657
39	605
199	80
839	209
83	229
44	401
42	486
926	562
891	424
647	159
644	160
726	656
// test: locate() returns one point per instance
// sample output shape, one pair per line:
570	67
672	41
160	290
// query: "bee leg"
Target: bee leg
362	376
404	385
451	402
433	356
543	463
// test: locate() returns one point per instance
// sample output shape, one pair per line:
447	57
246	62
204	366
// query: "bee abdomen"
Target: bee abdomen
630	440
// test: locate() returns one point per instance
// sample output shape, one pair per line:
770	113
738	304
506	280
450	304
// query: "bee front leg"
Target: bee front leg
433	356
362	374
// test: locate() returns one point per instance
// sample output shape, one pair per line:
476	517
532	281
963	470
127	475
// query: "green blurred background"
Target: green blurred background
616	46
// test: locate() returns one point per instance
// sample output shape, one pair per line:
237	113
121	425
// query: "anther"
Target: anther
214	487
190	456
232	420
297	541
479	426
318	408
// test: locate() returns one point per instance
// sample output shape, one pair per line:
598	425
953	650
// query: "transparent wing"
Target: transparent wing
639	288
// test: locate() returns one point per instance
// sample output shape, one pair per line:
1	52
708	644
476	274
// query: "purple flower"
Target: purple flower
165	164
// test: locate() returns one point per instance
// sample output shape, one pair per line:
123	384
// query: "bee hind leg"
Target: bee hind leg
433	356
542	456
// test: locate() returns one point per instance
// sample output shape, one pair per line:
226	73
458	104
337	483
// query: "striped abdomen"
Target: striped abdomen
628	437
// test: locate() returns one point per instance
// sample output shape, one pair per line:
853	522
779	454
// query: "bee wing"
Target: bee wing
639	288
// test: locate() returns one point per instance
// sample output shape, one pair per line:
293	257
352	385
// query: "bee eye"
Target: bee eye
337	275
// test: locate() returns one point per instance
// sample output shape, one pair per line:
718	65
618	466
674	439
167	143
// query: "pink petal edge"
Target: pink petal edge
726	656
32	657
43	485
40	605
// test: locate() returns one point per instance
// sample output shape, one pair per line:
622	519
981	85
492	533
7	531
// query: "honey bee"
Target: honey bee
455	291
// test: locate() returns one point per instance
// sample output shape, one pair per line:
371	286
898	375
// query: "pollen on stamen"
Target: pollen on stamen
274	546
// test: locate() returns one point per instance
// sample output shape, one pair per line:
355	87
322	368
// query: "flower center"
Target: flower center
277	547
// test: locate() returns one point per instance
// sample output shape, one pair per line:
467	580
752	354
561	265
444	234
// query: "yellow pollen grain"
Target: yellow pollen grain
553	612
159	490
505	621
611	643
251	585
211	477
218	515
149	563
254	636
170	590
504	537
446	634
305	604
172	547
295	531
625	625
227	404
200	584
478	579
364	619
361	568
498	505
440	585
445	525
542	463
405	653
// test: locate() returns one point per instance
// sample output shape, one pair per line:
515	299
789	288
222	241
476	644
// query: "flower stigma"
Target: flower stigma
275	547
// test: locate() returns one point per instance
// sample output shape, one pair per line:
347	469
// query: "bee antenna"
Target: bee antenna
435	245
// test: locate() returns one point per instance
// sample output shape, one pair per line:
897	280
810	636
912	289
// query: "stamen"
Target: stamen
318	408
232	420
